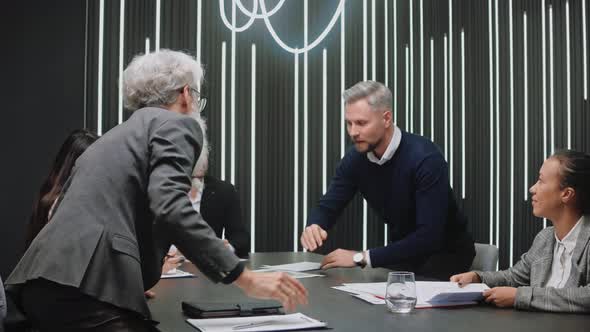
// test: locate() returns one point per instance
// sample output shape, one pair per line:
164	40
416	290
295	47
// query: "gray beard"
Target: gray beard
204	156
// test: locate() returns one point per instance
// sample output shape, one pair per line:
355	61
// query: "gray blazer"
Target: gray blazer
533	270
125	202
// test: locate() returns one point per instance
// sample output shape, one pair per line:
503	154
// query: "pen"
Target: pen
249	325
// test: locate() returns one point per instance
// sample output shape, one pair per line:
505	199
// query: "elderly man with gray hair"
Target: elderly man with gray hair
404	179
124	204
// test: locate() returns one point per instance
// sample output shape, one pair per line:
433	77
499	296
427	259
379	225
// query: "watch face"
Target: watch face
358	257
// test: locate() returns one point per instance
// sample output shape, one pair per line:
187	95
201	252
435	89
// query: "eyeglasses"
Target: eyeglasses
201	103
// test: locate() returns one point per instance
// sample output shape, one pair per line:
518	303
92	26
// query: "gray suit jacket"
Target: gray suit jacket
123	205
533	270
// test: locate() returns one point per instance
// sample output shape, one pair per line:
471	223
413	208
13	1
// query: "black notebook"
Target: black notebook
217	310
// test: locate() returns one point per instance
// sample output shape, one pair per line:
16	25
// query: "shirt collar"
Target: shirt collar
569	241
391	148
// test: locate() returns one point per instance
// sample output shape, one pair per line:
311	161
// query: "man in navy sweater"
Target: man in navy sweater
404	179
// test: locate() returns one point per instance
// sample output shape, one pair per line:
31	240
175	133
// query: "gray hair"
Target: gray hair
154	79
202	164
378	96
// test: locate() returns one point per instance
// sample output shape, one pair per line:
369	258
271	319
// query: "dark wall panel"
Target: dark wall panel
493	146
46	104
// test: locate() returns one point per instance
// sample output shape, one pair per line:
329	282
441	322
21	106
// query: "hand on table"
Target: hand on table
466	278
338	258
502	297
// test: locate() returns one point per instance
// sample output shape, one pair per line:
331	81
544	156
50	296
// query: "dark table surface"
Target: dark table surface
343	312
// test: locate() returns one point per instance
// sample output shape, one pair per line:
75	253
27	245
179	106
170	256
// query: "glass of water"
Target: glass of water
400	295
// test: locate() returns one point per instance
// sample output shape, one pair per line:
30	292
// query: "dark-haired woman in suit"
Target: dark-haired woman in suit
554	275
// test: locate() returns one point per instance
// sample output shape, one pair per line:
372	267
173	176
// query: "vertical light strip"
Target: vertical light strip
342	82
296	154
463	114
432	89
232	143
158	14
492	124
544	79
584	50
386	65
100	67
373	43
410	128
568	76
451	106
421	67
551	82
199	33
223	107
85	123
253	152
386	35
305	109
147	45
364	79
446	98
497	89
407	87
121	50
526	107
365	40
511	56
395	101
324	120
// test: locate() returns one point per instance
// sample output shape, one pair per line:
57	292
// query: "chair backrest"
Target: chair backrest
486	257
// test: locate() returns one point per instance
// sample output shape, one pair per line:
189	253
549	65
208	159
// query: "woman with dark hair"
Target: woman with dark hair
554	275
74	145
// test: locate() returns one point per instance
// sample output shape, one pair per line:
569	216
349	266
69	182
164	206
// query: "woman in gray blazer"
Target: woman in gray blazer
554	275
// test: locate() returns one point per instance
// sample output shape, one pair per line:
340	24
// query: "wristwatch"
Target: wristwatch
359	259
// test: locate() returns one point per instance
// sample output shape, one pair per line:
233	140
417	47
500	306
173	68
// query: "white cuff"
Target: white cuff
367	258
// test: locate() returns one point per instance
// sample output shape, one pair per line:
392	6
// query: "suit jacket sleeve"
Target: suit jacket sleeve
568	299
174	147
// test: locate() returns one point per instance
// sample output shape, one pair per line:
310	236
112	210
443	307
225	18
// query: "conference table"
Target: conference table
344	312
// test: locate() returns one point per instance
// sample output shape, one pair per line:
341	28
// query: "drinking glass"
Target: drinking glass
400	295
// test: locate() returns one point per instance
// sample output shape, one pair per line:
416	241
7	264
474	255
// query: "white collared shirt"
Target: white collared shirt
387	155
562	257
391	148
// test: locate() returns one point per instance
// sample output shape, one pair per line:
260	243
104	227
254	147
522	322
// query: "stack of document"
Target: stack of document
429	294
295	270
296	321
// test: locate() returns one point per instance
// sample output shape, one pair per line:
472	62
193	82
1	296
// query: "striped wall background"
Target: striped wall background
497	84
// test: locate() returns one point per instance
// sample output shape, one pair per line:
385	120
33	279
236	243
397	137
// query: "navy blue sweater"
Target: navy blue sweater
410	192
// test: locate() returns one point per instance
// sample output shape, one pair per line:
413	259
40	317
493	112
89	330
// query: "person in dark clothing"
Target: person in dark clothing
404	179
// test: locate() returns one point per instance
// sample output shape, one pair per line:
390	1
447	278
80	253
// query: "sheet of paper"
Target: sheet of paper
295	267
294	274
438	293
296	321
428	293
176	273
372	299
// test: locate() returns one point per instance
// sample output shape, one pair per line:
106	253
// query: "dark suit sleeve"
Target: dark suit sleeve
341	190
174	147
432	204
